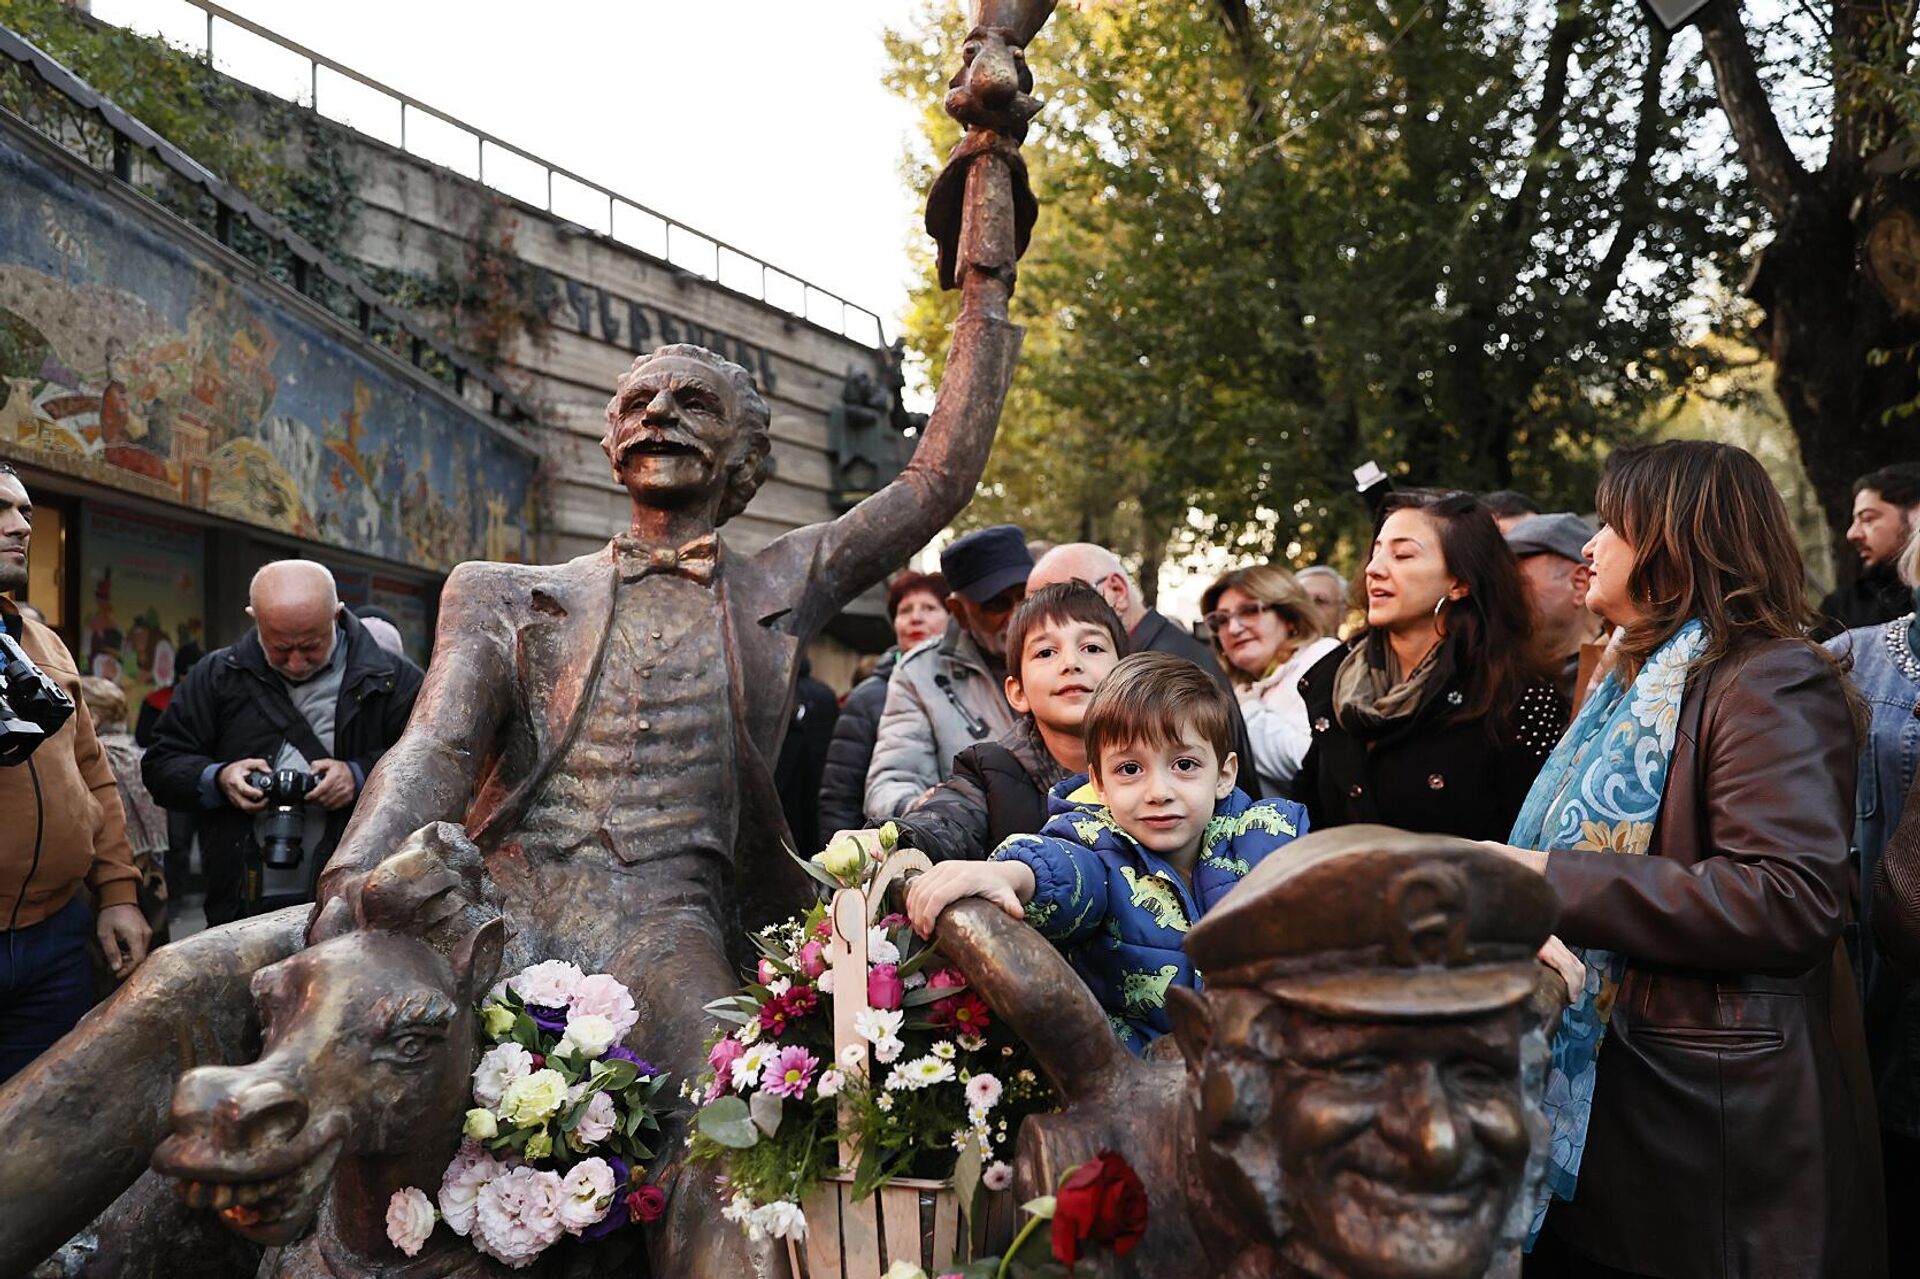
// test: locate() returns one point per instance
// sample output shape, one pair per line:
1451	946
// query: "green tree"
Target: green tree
1277	239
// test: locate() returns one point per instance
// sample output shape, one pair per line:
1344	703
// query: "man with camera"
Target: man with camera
63	830
270	740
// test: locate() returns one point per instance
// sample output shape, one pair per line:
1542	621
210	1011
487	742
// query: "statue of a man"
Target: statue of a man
603	728
1354	1102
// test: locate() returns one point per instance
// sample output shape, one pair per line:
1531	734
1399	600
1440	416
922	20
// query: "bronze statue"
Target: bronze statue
1356	1100
603	729
362	1079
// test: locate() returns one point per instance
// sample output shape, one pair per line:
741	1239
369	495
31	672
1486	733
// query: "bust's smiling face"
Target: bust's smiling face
673	430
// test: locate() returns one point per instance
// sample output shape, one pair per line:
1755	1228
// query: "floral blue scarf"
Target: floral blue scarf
1600	791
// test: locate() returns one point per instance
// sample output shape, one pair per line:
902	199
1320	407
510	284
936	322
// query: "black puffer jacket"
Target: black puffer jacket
232	706
998	788
843	783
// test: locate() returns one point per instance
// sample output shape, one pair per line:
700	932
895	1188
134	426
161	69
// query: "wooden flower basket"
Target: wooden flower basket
908	1219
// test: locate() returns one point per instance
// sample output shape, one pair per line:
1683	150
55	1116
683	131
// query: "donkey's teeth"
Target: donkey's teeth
222	1196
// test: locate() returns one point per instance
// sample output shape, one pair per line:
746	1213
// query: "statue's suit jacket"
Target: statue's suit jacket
518	647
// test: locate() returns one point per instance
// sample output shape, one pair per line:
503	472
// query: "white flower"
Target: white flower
876	1024
409	1220
779	986
884	1101
749	1064
596	1122
913	981
904	1269
825	982
585	1192
480	1124
928	1071
880	948
998	1176
983	1092
470	1170
782	1219
830	1083
852	1057
604	996
503	1064
749	1033
944	1050
533	1099
739	1209
973	1043
591	1033
550	984
888	1049
517	1216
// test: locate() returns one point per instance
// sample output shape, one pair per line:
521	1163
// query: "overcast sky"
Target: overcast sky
760	122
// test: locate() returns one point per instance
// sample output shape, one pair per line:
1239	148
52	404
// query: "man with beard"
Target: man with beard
1884	502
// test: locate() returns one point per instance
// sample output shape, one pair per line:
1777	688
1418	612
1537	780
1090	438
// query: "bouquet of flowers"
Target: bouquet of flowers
947	1090
557	1139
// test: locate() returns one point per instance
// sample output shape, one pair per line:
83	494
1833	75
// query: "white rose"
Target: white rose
585	1192
591	1033
409	1220
503	1064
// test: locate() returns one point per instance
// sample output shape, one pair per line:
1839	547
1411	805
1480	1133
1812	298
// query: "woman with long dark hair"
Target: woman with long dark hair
1694	821
1434	719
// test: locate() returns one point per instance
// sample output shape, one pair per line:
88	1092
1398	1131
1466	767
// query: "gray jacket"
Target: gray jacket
942	699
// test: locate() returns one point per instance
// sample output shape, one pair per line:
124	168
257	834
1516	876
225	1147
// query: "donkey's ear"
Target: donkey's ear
1192	1024
476	959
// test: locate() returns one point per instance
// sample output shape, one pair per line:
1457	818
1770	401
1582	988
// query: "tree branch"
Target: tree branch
1520	216
1777	175
1636	210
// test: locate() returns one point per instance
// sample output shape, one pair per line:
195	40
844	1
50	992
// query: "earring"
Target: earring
1439	604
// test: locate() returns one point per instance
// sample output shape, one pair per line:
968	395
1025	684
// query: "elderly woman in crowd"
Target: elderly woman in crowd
1268	634
1884	662
1435	720
917	609
1694	823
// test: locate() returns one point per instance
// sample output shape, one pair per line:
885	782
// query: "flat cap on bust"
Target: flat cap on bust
1372	923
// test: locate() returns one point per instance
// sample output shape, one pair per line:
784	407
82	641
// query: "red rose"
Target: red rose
1101	1202
647	1203
884	987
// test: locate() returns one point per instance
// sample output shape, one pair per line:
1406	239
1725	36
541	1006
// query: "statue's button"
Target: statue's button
1321	725
1354	791
1436	782
656	634
644	725
646	672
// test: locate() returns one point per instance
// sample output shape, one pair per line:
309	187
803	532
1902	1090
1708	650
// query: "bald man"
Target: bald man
307	690
1147	629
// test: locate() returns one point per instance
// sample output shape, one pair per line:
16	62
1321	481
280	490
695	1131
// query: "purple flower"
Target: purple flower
620	1052
551	1020
617	1214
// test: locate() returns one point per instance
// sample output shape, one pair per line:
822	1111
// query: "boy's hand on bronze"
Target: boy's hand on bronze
947	883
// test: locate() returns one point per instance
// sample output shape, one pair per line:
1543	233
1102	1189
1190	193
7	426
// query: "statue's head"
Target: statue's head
686	428
368	1037
1354	1066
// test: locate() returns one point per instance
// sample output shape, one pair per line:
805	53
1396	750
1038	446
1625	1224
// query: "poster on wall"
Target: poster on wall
143	597
400	601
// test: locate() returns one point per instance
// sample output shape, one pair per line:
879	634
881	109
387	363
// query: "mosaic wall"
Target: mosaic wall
127	359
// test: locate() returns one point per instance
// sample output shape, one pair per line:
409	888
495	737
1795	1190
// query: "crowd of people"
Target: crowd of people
1640	705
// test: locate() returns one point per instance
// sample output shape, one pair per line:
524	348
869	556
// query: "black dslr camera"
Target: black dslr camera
286	790
32	707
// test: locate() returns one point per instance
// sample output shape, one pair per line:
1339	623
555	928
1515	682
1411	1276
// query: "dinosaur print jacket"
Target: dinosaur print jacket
1120	913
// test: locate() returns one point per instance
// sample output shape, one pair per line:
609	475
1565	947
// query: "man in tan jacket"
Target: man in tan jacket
62	830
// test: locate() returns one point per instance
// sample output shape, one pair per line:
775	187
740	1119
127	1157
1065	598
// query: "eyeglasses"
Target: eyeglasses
1218	619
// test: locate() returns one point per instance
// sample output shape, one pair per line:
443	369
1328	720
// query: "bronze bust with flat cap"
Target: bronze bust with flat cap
1355	1101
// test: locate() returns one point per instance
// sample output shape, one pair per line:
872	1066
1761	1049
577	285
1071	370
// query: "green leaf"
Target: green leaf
525	1033
926	995
766	1109
966	1175
1042	1207
614	1076
728	1123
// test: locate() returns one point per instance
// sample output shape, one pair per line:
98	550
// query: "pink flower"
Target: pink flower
549	984
824	929
604	996
812	959
766	972
647	1203
517	1216
941	978
966	1013
893	921
721	1058
409	1220
789	1074
585	1192
773	1017
884	989
801	1000
460	1187
596	1121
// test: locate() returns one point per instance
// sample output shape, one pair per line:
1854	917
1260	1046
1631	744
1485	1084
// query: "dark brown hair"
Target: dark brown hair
1153	698
1491	627
1061	602
913	583
1711	539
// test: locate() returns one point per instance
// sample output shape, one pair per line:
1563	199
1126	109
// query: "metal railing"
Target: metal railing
761	277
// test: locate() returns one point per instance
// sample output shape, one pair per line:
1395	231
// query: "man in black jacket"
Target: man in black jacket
1148	630
306	689
1884	502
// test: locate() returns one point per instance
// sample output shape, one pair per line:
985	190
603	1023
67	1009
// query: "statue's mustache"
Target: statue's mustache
643	438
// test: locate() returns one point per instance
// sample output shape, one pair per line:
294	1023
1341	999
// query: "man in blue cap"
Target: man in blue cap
950	693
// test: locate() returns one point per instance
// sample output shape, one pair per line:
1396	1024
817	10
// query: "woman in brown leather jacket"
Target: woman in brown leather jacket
1731	1133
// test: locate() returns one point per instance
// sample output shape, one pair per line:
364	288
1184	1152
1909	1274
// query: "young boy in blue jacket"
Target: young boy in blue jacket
1135	853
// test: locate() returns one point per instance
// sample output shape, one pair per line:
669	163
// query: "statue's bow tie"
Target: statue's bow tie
694	560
